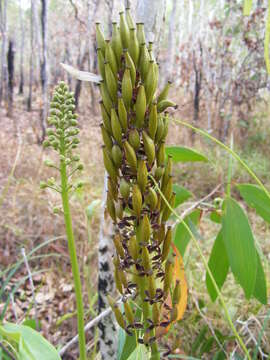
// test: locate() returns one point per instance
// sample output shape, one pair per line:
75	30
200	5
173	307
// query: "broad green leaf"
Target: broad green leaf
239	243
256	198
140	353
219	266
31	323
182	236
260	291
126	345
182	195
184	154
215	216
31	344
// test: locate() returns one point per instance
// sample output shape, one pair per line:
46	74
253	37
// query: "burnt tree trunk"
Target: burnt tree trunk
31	64
197	89
78	87
3	19
10	62
21	85
44	66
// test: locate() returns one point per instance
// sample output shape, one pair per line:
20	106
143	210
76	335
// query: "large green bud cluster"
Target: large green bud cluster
134	131
62	135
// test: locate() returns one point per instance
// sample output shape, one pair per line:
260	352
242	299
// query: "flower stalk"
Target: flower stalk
134	130
63	139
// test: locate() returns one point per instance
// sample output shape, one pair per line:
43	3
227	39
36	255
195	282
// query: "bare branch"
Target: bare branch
77	14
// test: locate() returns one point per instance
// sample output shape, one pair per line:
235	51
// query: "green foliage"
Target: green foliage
184	154
182	194
29	344
239	243
218	264
126	345
181	235
256	198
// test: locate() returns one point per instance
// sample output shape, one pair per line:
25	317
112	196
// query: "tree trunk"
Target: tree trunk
151	14
10	62
44	66
38	58
171	43
3	13
31	65
80	64
197	88
108	335
92	60
21	85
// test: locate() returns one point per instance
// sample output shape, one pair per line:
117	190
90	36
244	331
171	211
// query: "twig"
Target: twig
91	324
77	14
88	326
13	306
197	203
209	326
31	285
251	336
7	352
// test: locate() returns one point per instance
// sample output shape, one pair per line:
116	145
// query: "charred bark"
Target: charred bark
31	64
3	18
10	65
44	66
21	85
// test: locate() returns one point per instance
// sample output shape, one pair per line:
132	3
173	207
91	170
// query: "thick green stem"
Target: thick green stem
155	355
73	259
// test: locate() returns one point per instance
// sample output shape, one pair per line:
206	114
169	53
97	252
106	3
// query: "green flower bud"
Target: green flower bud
43	185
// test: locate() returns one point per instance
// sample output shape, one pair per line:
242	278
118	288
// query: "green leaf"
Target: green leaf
256	198
31	344
182	236
197	343
207	346
215	217
220	355
126	345
184	154
219	266
182	195
139	353
260	291
31	323
239	242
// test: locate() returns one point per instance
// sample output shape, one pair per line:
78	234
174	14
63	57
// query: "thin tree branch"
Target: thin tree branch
77	14
197	203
